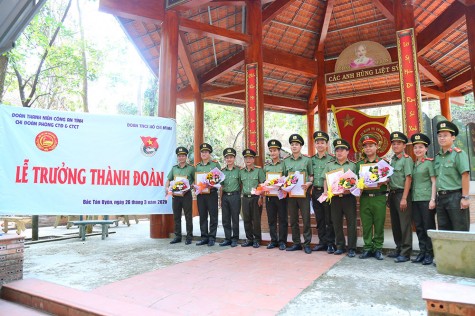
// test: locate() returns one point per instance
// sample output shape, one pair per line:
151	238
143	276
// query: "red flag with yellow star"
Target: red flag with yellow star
351	123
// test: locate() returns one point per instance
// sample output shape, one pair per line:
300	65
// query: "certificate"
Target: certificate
272	176
178	178
333	175
297	191
365	168
201	177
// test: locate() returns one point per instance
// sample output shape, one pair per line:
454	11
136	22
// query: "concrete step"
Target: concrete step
60	300
13	309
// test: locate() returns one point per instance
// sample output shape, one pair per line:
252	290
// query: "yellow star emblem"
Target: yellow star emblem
348	120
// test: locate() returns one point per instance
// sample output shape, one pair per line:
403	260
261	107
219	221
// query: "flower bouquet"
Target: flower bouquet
212	179
178	187
349	181
333	185
377	173
288	184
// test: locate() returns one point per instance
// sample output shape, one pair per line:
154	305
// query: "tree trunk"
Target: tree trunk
3	72
85	104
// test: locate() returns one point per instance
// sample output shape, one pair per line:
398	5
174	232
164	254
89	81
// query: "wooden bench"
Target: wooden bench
448	298
20	223
82	227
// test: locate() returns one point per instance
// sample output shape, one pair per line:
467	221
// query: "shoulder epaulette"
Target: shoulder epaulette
305	155
197	163
222	169
351	161
214	160
242	168
330	161
332	155
406	155
259	167
385	159
430	159
457	149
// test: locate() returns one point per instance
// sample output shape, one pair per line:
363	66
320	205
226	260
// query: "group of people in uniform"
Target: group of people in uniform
415	193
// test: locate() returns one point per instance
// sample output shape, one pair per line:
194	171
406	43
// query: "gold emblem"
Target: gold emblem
417	137
319	134
273	143
442	125
339	142
295	137
396	135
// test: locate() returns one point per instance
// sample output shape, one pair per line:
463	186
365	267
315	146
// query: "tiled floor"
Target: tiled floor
237	281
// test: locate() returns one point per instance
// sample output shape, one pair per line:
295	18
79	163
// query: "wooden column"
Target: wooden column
161	225
403	14
310	131
470	17
253	54
322	93
445	107
198	136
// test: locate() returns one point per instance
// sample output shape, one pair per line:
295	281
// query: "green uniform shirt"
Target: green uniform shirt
200	167
382	188
421	183
402	165
187	171
301	164
231	182
449	167
278	167
334	165
250	179
318	164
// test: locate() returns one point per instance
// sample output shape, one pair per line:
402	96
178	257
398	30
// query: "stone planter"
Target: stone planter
454	252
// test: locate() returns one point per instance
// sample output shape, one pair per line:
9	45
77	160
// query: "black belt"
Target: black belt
250	195
184	194
446	192
396	191
213	190
373	194
318	189
342	195
231	193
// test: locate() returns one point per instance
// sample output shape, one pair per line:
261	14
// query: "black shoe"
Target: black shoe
211	243
401	259
282	245
234	243
175	240
338	252
320	247
247	244
256	245
202	242
225	243
378	255
271	245
366	254
394	254
295	247
331	249
428	260
307	250
187	241
420	258
351	253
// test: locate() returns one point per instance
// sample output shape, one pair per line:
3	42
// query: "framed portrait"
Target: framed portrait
201	177
271	176
297	191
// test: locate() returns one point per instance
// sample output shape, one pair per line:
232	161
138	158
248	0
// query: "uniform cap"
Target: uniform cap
420	138
321	135
249	153
229	151
369	138
274	143
447	127
341	143
181	151
398	136
296	138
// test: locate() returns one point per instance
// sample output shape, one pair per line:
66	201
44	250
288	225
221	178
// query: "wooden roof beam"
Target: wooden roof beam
441	26
227	65
430	72
468	3
275	9
185	95
432	93
149	11
184	55
276	102
369	99
325	24
290	61
218	92
386	8
458	81
199	3
213	32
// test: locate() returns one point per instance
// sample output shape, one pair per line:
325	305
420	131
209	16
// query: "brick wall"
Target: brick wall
11	258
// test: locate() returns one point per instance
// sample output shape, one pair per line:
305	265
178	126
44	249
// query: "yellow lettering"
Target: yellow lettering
409	85
409	99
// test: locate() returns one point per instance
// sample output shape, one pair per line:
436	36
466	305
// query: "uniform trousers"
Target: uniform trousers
325	227
401	223
277	210
373	215
424	219
251	215
208	206
293	206
344	205
231	207
183	203
449	214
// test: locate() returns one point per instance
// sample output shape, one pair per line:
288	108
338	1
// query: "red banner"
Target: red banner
410	84
251	118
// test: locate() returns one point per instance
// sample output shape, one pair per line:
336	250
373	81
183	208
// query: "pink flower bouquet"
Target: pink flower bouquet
178	187
289	183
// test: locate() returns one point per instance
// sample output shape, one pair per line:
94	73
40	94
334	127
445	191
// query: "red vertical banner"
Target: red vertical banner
410	84
251	118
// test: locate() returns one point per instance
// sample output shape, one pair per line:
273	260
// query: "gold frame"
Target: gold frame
368	165
328	175
304	191
277	174
205	191
179	178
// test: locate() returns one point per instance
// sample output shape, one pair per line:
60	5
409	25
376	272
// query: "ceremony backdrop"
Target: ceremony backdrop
82	164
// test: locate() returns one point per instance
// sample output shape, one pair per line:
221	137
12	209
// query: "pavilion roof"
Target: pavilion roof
292	29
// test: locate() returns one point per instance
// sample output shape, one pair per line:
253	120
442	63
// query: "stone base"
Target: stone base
11	258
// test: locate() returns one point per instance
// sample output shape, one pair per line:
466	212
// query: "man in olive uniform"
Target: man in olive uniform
182	170
207	203
372	204
342	204
298	162
250	177
326	233
452	182
399	198
230	199
276	208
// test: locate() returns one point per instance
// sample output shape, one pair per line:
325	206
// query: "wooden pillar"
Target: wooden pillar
445	107
253	54
322	93
403	14
161	225
310	131
198	136
470	17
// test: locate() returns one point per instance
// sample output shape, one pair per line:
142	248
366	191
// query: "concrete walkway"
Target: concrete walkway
190	279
